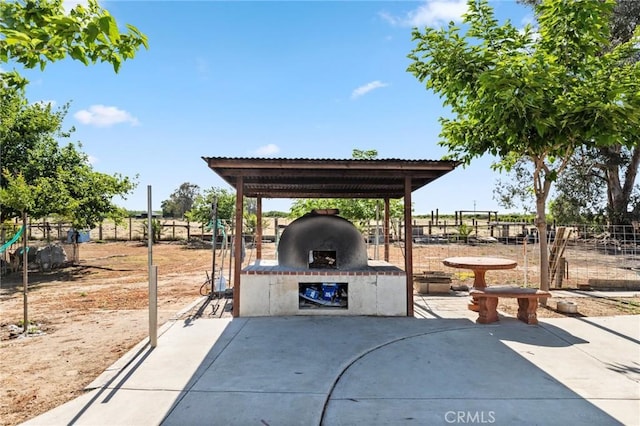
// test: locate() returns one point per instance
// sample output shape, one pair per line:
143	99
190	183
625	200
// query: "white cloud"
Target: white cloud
363	90
104	116
267	150
431	13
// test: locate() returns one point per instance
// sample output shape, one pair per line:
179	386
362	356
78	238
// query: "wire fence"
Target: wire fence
585	256
590	253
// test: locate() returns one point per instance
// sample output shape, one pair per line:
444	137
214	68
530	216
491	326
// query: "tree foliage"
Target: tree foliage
201	211
588	191
608	173
59	180
34	33
359	211
180	201
225	200
517	94
44	178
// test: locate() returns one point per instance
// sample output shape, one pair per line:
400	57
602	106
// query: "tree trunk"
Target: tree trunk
542	186
25	275
541	224
618	192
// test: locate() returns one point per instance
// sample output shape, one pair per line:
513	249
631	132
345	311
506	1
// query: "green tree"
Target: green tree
226	206
584	193
36	32
360	154
515	192
517	94
201	210
18	196
608	172
275	213
180	201
359	211
59	179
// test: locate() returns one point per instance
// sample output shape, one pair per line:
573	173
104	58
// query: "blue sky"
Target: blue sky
312	79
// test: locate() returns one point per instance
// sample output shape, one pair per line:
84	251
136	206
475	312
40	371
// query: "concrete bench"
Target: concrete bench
527	302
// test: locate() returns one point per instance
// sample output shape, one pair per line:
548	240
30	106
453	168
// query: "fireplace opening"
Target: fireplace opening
323	259
327	295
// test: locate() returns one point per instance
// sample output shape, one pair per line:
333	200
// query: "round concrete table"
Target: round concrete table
479	265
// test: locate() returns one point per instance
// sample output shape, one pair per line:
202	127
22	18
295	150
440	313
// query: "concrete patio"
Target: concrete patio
437	368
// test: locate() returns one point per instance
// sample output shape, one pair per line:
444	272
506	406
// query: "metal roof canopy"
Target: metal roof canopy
327	178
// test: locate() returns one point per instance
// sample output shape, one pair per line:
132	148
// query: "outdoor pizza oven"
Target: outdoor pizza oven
322	269
322	240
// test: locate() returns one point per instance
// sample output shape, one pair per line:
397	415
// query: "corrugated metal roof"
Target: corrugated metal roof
327	178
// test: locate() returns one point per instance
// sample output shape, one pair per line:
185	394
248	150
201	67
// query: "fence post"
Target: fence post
188	231
100	231
115	231
561	271
173	234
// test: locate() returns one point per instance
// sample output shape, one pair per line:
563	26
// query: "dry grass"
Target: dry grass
92	313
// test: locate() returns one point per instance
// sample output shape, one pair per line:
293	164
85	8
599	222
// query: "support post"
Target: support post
237	247
153	306
259	228
386	229
214	238
408	245
153	278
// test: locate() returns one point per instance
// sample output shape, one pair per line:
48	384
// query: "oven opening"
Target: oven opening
323	259
327	295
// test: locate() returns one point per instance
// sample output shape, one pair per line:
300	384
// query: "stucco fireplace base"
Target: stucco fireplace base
269	290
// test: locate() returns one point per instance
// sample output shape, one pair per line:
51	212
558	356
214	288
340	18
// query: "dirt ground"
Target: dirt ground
86	316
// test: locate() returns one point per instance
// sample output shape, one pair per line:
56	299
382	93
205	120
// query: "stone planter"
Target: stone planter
432	282
432	288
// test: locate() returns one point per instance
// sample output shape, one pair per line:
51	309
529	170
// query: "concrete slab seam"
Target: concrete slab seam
371	350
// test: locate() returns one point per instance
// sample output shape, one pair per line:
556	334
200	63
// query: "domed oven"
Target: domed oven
322	240
322	268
